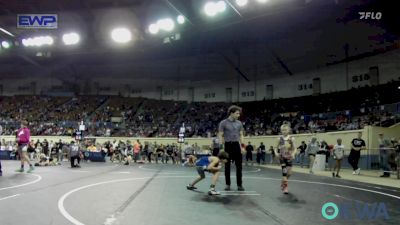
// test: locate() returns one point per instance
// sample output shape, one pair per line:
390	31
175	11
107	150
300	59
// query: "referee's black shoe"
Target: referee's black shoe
240	188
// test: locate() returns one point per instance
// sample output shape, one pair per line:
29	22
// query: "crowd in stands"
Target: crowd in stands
159	117
140	117
337	111
51	153
202	118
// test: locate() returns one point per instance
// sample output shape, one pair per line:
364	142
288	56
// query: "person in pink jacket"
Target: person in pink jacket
136	150
23	139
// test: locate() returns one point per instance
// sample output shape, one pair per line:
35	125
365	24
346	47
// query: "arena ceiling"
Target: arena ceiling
287	37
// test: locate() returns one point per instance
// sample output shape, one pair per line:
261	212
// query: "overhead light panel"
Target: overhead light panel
213	8
121	35
166	24
153	28
242	3
210	9
5	44
71	38
221	6
180	19
38	41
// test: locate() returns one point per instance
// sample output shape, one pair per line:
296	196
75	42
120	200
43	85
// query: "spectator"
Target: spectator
74	154
338	154
357	144
23	140
249	153
273	154
384	151
136	150
312	149
302	151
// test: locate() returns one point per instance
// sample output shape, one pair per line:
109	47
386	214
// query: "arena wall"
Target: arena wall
369	158
370	135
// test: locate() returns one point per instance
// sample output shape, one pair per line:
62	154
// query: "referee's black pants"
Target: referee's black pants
72	160
215	152
234	151
354	156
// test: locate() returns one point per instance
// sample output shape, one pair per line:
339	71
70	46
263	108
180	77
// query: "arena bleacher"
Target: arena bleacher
140	117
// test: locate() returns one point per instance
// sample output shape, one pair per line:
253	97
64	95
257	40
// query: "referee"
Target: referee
231	135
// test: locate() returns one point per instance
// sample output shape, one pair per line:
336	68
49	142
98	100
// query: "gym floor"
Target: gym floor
154	194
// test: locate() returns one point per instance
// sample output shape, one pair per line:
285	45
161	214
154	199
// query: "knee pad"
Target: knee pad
284	171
